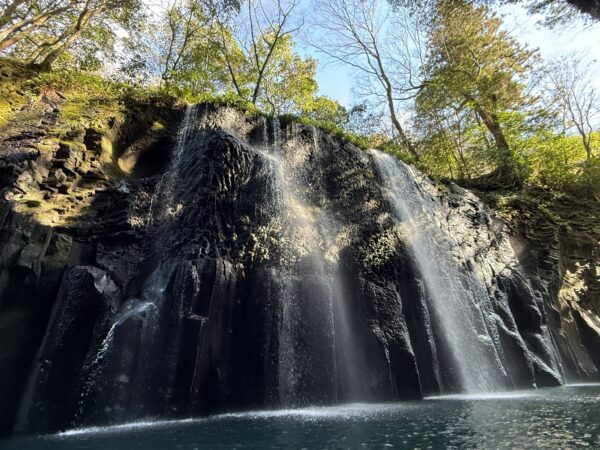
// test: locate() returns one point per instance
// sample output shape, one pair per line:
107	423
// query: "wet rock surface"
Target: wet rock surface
257	265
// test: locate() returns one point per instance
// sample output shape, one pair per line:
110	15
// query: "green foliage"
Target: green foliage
181	50
473	60
69	80
65	33
14	88
559	162
228	99
289	85
473	115
361	141
474	74
93	101
322	109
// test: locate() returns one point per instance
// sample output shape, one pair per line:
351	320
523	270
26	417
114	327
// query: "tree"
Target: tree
365	120
203	49
571	91
41	32
254	41
288	82
453	141
555	12
472	64
21	18
166	47
560	12
183	22
325	110
88	12
355	33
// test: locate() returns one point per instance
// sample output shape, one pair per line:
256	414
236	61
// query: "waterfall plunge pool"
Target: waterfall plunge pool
563	417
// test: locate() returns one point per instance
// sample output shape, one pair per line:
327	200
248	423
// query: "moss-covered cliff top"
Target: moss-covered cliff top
106	117
72	127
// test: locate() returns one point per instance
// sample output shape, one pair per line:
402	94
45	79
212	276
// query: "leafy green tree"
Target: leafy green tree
325	110
21	18
42	32
195	54
474	65
249	48
289	85
559	162
179	50
453	143
554	12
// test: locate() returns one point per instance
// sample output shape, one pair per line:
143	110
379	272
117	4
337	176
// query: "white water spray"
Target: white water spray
458	300
161	203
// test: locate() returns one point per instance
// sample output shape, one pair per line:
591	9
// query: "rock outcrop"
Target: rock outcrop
243	263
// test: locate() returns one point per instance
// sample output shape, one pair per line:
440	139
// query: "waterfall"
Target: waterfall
306	285
136	327
132	308
299	271
457	299
312	306
161	202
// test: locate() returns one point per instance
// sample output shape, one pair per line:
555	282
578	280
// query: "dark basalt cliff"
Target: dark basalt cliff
242	263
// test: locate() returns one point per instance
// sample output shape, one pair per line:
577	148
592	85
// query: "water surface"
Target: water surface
565	417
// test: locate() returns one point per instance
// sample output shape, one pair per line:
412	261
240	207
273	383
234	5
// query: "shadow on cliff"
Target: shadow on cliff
34	254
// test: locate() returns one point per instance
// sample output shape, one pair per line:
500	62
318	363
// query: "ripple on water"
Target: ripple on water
567	417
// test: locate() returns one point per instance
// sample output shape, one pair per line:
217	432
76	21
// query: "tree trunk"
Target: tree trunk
398	126
21	30
588	147
5	18
225	52
261	70
389	93
505	172
8	38
45	47
84	19
42	48
491	123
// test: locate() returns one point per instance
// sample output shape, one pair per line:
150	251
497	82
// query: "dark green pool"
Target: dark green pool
566	417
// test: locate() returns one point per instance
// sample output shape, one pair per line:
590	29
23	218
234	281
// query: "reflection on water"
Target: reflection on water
566	417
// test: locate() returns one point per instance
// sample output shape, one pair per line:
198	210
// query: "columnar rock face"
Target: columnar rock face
261	265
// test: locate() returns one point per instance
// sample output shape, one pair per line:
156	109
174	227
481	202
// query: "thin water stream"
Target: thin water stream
161	202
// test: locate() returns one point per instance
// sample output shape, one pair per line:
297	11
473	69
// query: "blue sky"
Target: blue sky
336	81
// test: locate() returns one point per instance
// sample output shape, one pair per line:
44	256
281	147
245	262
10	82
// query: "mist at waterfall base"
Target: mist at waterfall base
564	417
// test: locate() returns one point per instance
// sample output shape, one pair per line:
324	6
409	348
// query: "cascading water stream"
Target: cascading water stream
132	308
135	326
299	223
459	301
161	204
147	310
311	288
